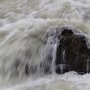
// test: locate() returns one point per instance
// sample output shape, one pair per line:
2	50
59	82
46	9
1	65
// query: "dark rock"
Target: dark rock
72	53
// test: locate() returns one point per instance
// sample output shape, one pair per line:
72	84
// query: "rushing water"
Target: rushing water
23	24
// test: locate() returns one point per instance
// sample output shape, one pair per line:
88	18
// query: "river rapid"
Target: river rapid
23	24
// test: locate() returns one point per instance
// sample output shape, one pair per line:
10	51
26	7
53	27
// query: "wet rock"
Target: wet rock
65	50
72	53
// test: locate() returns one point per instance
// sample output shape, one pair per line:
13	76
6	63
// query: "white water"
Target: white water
23	24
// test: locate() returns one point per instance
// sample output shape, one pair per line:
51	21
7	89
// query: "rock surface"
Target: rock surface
65	50
72	53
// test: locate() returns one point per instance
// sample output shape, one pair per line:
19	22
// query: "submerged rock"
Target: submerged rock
65	50
72	52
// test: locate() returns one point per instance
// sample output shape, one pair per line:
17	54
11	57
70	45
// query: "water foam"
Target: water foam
23	25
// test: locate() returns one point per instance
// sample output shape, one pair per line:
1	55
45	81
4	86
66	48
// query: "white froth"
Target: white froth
23	24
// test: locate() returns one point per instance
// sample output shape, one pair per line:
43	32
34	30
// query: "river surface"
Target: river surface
23	24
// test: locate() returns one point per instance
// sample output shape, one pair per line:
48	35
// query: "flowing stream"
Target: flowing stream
23	25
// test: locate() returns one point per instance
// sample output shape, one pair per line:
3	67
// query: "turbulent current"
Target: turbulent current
23	24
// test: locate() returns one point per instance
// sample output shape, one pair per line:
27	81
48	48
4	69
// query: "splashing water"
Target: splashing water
23	24
54	57
62	61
